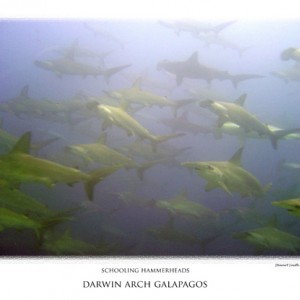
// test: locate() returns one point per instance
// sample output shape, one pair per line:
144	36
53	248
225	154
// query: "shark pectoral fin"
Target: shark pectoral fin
106	124
221	122
242	139
224	187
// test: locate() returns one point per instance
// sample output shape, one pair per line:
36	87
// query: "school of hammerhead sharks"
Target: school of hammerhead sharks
121	157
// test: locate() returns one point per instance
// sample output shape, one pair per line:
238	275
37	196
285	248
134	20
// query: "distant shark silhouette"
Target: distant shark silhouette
194	28
191	68
67	65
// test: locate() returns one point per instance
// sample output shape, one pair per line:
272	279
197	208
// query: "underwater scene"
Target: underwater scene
149	138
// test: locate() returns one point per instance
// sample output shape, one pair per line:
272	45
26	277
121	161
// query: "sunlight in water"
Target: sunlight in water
154	9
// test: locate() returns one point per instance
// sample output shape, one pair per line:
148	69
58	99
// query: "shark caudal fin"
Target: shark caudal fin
96	177
284	132
162	138
37	147
107	73
279	134
216	29
236	79
141	168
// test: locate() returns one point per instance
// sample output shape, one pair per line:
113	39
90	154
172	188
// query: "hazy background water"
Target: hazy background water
143	45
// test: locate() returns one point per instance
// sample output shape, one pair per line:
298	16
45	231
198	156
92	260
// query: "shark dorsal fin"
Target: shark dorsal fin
70	53
193	59
236	158
241	100
22	145
24	92
137	84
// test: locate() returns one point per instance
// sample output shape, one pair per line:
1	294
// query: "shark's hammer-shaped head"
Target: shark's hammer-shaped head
205	169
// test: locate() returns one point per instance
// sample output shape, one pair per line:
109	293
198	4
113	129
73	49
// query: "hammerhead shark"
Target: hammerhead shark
67	65
18	166
191	68
194	28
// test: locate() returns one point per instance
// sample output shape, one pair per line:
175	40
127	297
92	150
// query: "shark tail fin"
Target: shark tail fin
142	168
96	177
222	26
162	138
279	134
112	71
236	79
37	147
145	166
